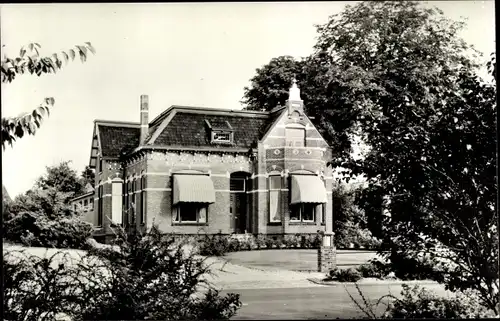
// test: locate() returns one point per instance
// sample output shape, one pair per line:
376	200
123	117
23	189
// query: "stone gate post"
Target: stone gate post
326	253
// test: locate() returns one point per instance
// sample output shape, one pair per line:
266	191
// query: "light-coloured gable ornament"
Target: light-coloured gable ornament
294	103
294	93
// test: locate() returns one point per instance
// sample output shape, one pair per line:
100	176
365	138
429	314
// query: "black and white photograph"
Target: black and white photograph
249	160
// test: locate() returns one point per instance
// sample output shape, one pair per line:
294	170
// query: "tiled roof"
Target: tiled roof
190	129
187	128
116	139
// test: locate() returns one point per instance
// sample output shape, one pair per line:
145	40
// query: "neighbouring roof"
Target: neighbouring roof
5	195
117	139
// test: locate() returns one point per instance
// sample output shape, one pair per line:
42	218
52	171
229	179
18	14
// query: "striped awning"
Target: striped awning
307	189
193	188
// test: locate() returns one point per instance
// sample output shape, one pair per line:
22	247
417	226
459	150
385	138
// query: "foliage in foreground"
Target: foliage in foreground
344	275
30	61
142	277
419	303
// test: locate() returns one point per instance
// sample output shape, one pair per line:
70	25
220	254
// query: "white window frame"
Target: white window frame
278	192
301	210
222	132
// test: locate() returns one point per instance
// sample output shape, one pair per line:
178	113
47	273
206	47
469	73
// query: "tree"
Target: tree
332	113
351	224
88	176
429	120
29	60
63	178
401	75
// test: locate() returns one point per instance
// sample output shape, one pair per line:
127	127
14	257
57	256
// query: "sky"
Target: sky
198	54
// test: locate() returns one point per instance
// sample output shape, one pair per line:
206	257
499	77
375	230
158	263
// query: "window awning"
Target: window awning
307	189
193	188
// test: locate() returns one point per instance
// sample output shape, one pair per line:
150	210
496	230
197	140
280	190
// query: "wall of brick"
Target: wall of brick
326	258
272	156
161	167
312	158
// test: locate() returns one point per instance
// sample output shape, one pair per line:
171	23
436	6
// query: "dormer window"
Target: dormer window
220	131
221	137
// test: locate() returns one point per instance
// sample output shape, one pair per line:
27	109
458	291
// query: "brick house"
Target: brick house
203	170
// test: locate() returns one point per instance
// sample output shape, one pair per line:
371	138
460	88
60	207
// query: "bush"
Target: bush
234	245
374	269
216	245
34	229
260	241
270	243
345	275
36	287
420	303
139	277
311	241
408	268
291	241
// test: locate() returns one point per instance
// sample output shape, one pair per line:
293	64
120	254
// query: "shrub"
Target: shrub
345	275
151	277
311	241
34	229
291	241
36	287
417	302
234	245
409	268
215	245
270	243
260	241
373	269
140	277
247	244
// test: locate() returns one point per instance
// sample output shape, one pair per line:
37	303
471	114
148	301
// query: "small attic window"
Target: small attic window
221	132
221	137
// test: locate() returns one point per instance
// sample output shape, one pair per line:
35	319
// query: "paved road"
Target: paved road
325	302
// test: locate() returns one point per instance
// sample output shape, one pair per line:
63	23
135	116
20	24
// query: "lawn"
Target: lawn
296	260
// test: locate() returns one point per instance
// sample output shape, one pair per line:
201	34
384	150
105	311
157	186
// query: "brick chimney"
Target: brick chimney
144	119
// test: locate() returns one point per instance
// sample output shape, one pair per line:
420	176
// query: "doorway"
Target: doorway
239	201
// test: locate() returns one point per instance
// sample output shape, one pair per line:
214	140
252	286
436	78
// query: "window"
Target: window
85	205
303	212
133	188
275	184
125	203
91	204
100	164
295	137
237	184
74	207
323	215
191	213
99	208
221	136
143	199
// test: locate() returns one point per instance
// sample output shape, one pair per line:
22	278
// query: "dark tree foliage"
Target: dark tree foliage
400	74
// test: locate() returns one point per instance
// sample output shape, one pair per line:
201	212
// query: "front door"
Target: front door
238	211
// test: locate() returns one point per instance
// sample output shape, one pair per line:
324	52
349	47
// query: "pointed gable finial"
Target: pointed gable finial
294	93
